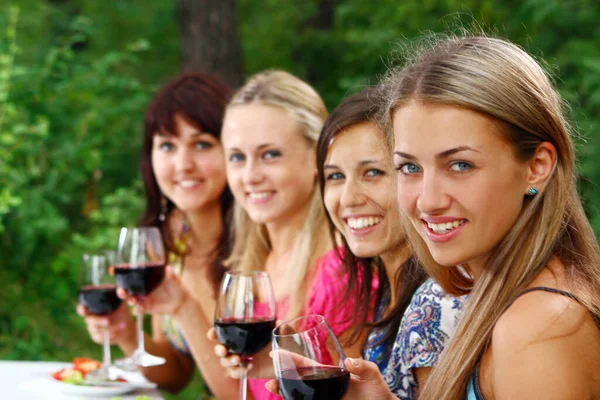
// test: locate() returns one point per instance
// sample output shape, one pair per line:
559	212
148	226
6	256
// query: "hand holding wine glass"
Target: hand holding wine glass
308	360
98	296
245	316
139	270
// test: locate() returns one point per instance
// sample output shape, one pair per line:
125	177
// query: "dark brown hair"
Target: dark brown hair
201	99
355	109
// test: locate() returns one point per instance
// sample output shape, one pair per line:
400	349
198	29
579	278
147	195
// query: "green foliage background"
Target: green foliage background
75	76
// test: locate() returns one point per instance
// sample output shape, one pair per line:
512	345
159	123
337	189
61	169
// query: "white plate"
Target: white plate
48	385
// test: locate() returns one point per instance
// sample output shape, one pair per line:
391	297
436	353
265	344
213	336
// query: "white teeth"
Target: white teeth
259	195
363	222
188	183
445	227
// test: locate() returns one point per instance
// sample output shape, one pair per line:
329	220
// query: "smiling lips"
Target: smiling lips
260	197
188	183
364	224
444	230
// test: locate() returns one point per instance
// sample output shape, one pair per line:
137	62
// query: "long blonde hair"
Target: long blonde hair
499	79
251	243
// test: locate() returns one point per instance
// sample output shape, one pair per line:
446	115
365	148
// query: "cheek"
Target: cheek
234	178
331	199
406	198
159	166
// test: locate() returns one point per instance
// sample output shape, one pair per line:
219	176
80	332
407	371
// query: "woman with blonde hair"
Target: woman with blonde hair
270	132
486	181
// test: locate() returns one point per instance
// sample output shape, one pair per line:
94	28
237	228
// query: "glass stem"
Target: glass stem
244	378
106	359
140	330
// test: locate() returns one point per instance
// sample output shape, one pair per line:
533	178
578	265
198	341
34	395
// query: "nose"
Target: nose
252	173
185	160
432	197
352	194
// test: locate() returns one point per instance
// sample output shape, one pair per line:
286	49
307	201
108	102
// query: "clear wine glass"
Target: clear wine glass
140	268
98	294
245	316
308	360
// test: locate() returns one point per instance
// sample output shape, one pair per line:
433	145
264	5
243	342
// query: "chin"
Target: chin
447	260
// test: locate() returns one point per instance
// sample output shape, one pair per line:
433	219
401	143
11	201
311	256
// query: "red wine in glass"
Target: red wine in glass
244	337
139	281
308	360
139	269
100	299
98	294
245	316
314	383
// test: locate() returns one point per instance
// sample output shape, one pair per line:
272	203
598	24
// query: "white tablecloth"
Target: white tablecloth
32	380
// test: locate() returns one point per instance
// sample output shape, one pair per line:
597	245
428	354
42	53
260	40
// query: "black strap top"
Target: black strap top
475	377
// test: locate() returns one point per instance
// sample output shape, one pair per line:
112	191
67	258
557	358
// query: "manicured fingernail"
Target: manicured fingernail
353	362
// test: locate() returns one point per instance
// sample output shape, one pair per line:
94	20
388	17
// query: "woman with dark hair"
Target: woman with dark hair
187	198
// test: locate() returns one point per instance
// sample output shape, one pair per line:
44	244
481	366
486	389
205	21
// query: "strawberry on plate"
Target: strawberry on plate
85	364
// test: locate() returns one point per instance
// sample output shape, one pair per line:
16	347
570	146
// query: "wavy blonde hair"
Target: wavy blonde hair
251	242
500	80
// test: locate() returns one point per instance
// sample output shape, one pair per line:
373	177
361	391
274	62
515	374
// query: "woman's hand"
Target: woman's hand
167	298
120	325
260	367
366	382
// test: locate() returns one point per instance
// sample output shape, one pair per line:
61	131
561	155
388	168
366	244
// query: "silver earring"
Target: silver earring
163	208
532	191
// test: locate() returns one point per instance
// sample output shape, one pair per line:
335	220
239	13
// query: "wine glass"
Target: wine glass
308	360
98	294
245	316
140	268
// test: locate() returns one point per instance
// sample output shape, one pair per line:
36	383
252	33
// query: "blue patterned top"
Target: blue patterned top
427	324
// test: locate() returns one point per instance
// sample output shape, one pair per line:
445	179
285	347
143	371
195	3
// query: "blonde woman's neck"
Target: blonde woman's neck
283	233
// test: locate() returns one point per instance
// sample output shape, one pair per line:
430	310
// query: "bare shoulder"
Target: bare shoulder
545	343
539	316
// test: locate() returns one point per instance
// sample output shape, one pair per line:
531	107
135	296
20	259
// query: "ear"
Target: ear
541	166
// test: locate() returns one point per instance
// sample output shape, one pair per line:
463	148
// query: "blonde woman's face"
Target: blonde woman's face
271	166
459	181
358	191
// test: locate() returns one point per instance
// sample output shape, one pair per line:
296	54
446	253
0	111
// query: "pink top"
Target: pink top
325	294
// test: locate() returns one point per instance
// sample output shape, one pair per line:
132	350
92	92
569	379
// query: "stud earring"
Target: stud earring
532	191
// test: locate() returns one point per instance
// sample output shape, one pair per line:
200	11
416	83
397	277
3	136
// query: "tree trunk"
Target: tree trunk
210	40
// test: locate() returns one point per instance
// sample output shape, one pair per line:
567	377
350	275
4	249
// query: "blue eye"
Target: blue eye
236	157
460	166
201	145
408	168
166	146
374	172
271	154
335	176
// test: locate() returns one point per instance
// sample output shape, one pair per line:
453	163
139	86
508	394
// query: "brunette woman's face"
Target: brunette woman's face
189	167
459	180
271	166
359	194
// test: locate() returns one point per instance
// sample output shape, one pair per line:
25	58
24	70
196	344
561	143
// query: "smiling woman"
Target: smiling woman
183	170
487	181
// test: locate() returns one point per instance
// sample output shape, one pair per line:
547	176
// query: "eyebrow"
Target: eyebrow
443	154
360	164
259	147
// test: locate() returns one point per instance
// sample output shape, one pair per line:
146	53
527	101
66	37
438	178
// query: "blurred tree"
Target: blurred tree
209	38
